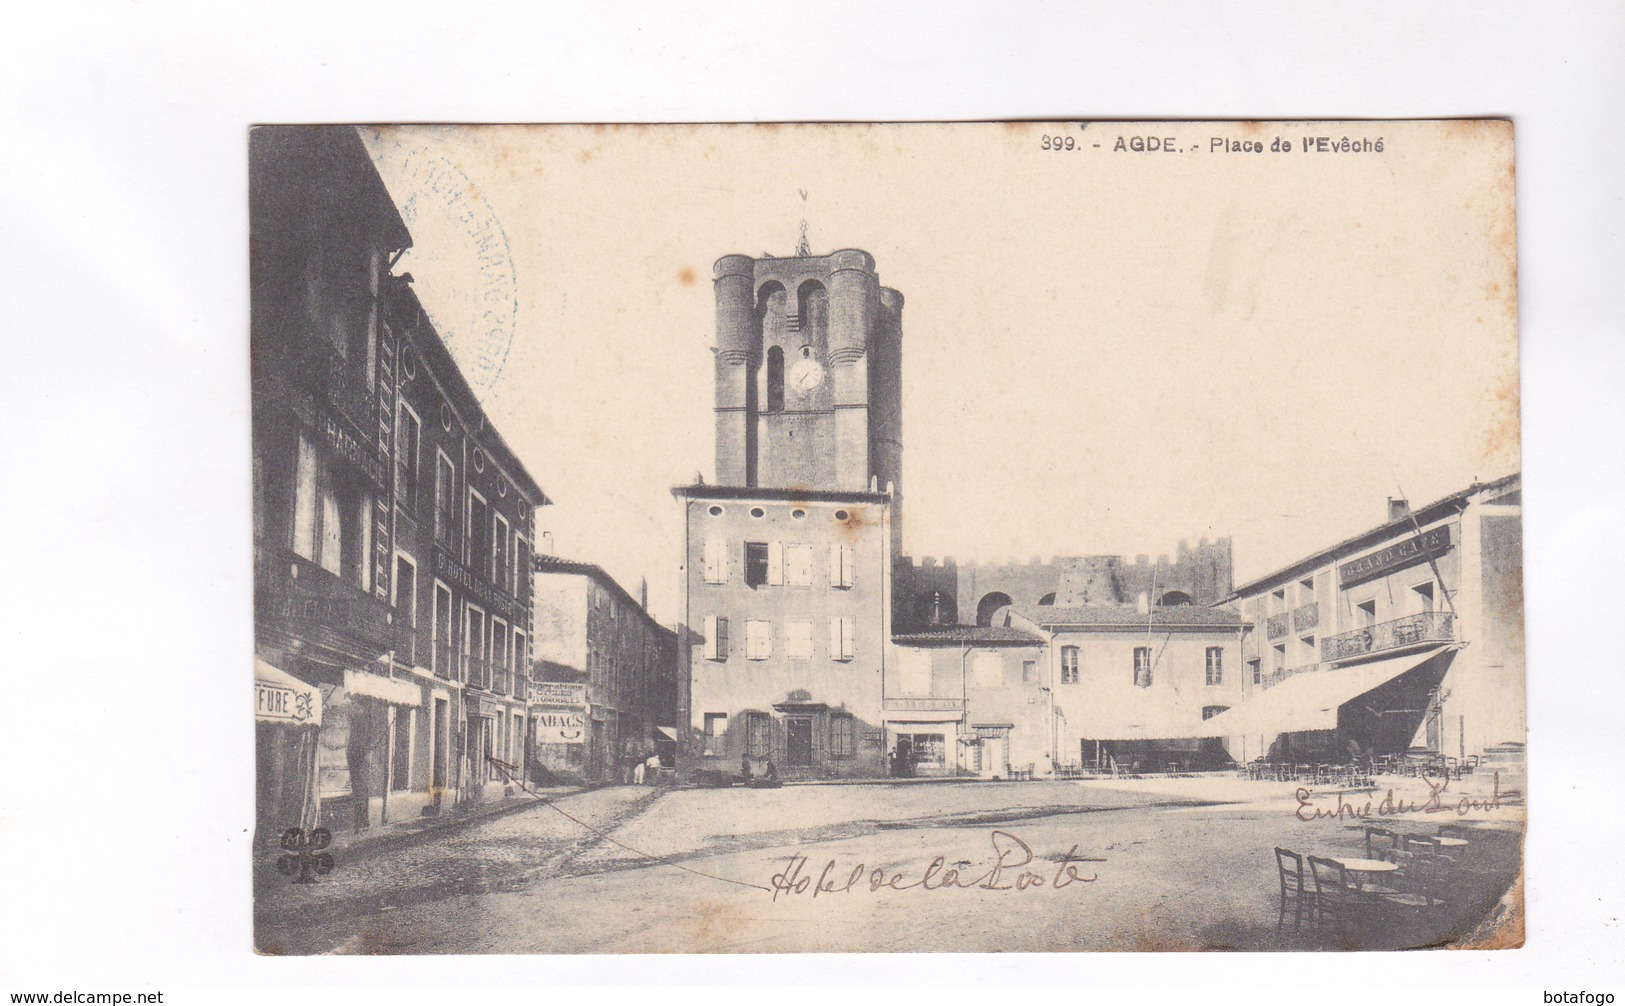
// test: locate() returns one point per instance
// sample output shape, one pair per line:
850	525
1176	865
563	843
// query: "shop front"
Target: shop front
287	724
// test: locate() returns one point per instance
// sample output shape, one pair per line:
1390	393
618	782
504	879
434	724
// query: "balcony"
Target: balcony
1278	625
476	671
924	704
1425	627
1280	674
317	607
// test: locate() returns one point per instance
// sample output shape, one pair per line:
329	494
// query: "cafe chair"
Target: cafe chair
1293	890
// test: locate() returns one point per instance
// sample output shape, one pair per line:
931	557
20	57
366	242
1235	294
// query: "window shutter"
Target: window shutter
835	639
834	571
846	565
840	565
710	637
722	638
775	563
716	558
847	649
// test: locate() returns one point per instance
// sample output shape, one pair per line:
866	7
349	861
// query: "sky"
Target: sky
1104	351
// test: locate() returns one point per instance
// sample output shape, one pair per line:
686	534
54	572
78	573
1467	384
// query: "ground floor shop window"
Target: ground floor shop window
400	770
926	750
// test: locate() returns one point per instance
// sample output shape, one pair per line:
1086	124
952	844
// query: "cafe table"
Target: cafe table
1363	867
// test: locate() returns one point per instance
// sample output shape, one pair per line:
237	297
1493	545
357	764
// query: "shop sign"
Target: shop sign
560	726
558	693
1396	556
273	702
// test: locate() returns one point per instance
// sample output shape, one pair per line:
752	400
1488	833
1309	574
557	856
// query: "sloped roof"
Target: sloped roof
555	564
1127	616
967	634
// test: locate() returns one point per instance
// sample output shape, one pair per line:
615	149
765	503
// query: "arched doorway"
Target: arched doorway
1048	599
990	604
1174	599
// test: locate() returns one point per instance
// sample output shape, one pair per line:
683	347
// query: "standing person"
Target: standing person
744	768
651	768
637	774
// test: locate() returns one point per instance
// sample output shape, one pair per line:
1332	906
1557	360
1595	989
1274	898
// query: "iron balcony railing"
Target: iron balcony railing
1424	627
1278	625
319	606
1280	674
924	704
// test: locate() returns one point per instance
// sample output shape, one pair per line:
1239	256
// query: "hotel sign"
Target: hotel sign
1429	543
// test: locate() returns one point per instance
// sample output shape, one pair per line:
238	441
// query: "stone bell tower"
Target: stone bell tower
808	375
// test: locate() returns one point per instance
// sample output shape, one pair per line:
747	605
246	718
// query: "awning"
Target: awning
1309	701
668	733
399	693
279	697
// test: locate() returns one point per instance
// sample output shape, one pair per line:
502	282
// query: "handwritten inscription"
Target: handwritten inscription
1435	802
1012	870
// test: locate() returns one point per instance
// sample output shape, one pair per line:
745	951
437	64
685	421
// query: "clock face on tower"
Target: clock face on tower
806	374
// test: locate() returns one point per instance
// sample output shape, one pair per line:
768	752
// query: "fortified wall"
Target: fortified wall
931	591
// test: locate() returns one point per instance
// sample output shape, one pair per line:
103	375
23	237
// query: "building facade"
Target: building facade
374	582
968	701
1132	688
788	560
607	692
1408	637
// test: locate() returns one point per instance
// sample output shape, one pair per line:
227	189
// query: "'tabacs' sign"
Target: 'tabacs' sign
560	726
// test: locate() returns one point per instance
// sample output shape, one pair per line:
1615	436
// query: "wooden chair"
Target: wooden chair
1293	890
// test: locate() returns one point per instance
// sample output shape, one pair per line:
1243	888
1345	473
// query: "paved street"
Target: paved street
694	870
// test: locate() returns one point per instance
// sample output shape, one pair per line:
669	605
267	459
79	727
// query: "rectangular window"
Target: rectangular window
1306	590
716	725
474	649
715	560
1423	597
756	563
840	566
1215	665
408	433
1208	712
1257	667
304	500
716	637
1069	665
400	768
405	586
843	732
440	648
445	500
499	646
798	640
1029	672
761	735
501	574
521	654
841	643
521	568
477	540
758	639
1279	657
1365	613
798	565
1142	667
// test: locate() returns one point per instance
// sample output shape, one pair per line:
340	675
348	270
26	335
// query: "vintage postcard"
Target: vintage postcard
1027	536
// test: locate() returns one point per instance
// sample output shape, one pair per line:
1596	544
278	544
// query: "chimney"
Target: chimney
1397	508
1143	603
544	545
643	592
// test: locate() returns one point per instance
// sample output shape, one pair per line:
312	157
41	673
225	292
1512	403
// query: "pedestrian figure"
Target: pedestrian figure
651	768
744	767
637	774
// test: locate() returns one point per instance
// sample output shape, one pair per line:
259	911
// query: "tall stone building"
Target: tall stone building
789	557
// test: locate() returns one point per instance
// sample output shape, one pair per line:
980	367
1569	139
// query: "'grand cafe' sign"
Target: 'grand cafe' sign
1426	545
